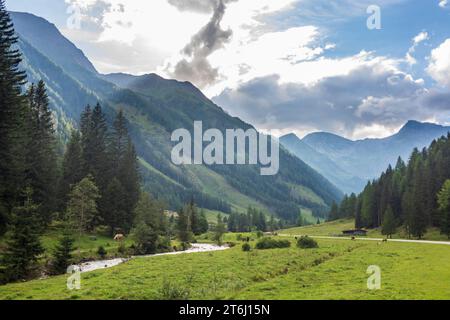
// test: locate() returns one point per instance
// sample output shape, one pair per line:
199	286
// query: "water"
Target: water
196	248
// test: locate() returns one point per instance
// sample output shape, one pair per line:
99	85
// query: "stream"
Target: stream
103	264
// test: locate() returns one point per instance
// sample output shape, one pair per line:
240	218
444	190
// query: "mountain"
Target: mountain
154	108
350	164
345	180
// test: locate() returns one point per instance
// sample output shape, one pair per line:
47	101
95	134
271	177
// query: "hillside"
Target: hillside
335	270
154	107
350	164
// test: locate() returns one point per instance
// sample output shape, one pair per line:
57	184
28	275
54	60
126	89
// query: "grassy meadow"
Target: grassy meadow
335	228
335	270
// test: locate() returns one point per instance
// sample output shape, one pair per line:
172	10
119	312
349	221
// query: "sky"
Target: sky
287	65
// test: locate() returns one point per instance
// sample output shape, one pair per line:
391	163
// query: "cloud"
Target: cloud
443	3
202	6
416	41
195	66
439	67
374	98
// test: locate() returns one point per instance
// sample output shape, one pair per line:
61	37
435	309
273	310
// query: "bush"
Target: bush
239	237
269	243
307	243
246	247
173	291
101	252
230	244
122	249
185	246
259	234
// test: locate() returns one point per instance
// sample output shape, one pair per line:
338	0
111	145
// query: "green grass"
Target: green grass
336	270
335	228
211	215
87	243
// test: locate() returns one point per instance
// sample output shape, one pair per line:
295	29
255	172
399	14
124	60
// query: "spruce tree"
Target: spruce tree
184	226
334	212
444	208
13	116
114	206
72	169
23	245
203	223
389	224
41	152
62	255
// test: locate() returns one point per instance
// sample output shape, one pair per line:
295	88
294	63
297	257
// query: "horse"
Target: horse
119	237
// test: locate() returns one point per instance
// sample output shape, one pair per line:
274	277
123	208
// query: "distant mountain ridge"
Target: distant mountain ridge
350	164
154	107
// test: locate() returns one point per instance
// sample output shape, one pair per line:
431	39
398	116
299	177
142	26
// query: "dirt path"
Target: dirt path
373	239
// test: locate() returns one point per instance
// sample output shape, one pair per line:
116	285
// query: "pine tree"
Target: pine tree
119	141
62	255
41	152
389	224
203	223
124	164
13	116
129	178
191	210
23	245
114	200
184	226
334	212
72	169
444	208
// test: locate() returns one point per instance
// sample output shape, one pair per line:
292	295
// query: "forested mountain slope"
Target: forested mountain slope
154	107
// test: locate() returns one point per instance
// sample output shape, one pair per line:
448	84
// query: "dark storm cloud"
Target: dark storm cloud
196	67
202	6
340	104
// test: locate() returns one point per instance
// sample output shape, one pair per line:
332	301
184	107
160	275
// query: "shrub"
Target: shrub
307	243
173	291
122	249
259	234
269	243
239	237
101	252
185	246
246	247
231	244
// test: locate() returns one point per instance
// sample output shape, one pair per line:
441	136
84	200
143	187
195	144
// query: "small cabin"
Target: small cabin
356	232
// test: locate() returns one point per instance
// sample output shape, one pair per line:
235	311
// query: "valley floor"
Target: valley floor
336	270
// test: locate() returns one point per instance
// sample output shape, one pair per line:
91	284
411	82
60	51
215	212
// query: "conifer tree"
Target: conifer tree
13	116
41	152
129	178
62	255
184	226
72	168
444	208
203	222
23	245
114	203
389	224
